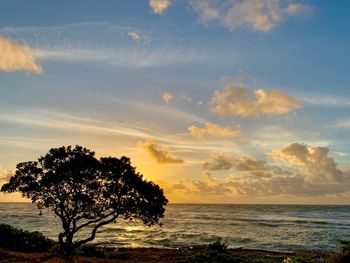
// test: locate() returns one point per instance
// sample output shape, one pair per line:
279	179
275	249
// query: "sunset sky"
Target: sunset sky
217	101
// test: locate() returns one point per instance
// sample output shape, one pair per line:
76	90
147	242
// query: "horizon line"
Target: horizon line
182	203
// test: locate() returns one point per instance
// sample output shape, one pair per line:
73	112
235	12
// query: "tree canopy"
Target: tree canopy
84	191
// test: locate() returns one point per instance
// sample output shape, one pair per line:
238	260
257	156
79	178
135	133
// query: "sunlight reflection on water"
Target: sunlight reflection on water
283	227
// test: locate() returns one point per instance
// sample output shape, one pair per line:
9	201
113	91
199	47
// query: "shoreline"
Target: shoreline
165	255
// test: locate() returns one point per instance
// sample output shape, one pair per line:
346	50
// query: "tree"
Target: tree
86	192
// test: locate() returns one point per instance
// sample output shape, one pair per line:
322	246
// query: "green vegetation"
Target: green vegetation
23	241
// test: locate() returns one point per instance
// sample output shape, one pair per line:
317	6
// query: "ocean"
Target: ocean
272	227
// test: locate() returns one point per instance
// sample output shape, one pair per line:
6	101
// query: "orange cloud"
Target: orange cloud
16	57
159	6
214	130
240	101
168	97
159	153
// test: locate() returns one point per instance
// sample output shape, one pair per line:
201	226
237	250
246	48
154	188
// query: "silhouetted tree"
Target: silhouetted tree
84	191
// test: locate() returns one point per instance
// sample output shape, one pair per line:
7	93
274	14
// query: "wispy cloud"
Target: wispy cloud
63	121
326	101
342	123
75	127
103	43
17	57
214	130
121	57
207	9
138	37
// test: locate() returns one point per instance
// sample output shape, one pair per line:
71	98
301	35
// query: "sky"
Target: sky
217	101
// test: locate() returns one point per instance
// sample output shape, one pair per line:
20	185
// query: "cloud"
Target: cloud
223	162
219	162
207	9
298	9
159	6
240	101
160	154
214	130
17	57
168	97
184	95
121	56
301	171
207	188
250	164
330	101
342	123
314	162
137	37
259	15
5	175
73	43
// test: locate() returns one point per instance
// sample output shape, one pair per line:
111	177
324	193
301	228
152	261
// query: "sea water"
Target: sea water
272	227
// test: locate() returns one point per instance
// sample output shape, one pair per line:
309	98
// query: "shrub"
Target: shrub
23	241
344	255
91	250
215	252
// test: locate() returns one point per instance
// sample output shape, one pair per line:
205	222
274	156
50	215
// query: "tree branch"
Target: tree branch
93	221
93	234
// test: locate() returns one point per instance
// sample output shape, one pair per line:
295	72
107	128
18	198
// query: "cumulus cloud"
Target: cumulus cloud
259	15
159	153
159	6
168	97
214	130
17	57
240	101
315	162
294	170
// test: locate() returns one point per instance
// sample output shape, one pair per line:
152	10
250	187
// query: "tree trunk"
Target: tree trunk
67	247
